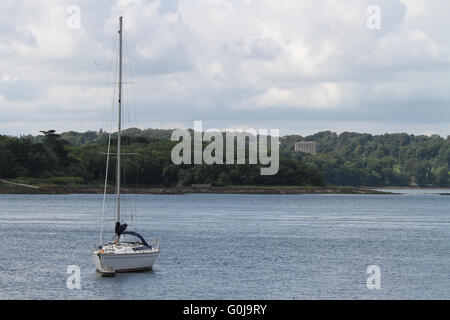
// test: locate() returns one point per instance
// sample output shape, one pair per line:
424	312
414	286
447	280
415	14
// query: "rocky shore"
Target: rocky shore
14	189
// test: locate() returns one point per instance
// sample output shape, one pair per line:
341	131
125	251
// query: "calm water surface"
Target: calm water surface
233	246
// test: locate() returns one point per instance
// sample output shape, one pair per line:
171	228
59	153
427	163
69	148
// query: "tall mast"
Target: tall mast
119	125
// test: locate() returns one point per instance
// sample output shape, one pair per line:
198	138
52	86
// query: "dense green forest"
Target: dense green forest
351	159
51	158
377	160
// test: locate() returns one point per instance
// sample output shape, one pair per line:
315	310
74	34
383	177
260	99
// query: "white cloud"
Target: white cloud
319	96
410	48
214	59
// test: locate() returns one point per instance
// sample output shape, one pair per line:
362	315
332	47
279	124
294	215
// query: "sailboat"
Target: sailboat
120	255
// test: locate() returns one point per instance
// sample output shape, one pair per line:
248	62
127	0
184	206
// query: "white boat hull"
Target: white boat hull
126	262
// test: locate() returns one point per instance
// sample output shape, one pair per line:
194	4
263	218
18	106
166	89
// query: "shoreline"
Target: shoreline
408	188
190	190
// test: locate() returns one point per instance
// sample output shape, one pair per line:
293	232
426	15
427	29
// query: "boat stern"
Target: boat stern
96	256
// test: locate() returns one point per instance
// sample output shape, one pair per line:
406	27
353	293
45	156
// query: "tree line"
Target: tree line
347	159
51	158
377	160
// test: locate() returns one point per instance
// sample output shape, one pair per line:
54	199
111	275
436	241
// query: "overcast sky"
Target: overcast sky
301	66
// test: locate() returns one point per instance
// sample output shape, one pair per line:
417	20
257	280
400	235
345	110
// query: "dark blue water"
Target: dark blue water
233	246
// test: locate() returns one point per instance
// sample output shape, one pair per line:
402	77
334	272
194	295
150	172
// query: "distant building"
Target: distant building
306	146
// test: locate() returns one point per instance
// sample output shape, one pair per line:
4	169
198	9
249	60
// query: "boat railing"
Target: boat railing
155	243
108	250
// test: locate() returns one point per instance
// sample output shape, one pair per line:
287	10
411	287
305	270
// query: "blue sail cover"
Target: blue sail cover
139	236
120	228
